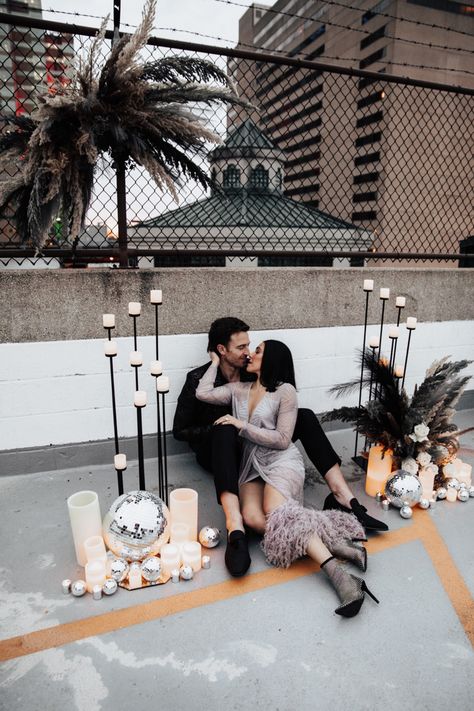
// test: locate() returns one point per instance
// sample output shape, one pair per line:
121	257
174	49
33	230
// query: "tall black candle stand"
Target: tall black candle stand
410	329
165	460
161	492
383	299
393	348
155	299
399	309
114	415
367	292
141	459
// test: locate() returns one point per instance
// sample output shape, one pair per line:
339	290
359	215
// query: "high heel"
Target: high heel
349	588
349	550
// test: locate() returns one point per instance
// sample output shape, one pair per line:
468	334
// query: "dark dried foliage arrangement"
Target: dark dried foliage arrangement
134	112
391	417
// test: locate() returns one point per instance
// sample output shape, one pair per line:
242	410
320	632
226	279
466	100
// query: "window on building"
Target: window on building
372	58
231	177
279	179
259	177
370	39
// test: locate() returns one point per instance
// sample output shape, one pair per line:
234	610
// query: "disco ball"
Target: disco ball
136	525
403	489
151	568
209	537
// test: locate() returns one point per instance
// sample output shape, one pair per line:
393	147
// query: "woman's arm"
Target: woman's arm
280	437
208	393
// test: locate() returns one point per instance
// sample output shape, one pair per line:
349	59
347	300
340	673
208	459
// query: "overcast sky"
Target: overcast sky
206	16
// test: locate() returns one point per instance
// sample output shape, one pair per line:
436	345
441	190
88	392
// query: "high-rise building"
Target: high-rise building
349	140
32	60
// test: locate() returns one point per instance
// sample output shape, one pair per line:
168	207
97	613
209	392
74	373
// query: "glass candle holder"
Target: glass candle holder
191	554
184	509
86	521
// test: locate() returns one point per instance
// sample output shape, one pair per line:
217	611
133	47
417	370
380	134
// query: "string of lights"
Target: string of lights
358	9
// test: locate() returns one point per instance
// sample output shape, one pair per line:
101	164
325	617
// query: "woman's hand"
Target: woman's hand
230	420
215	360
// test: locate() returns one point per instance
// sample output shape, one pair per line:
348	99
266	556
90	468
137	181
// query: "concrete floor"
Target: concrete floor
268	641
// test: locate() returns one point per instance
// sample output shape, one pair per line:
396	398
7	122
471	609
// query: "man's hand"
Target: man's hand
215	360
230	420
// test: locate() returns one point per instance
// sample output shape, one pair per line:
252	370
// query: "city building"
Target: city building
248	210
31	60
384	156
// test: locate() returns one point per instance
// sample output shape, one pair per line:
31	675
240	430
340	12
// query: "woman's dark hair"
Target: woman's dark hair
277	366
222	329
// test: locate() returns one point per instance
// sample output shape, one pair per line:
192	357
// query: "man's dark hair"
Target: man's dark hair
277	366
222	329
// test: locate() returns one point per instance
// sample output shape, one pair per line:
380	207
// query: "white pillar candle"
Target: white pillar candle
86	521
110	348
384	293
134	308
191	555
170	557
400	301
465	473
155	367
393	332
368	284
156	296
139	399
426	475
94	548
184	509
136	358
95	574
108	320
451	495
398	371
163	384
378	470
374	342
120	462
411	323
180	533
134	577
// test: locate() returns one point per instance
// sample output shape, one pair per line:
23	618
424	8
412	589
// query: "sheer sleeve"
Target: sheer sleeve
206	391
280	437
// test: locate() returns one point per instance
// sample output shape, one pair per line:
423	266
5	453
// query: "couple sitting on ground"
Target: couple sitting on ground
239	413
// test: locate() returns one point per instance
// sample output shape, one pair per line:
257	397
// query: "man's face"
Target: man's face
236	351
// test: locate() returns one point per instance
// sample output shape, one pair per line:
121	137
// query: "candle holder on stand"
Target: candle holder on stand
384	296
108	322
134	311
393	334
361	461
400	304
162	388
140	402
411	325
368	288
156	370
120	464
156	298
110	350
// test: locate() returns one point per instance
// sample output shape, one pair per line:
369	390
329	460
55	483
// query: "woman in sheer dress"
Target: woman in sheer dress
272	474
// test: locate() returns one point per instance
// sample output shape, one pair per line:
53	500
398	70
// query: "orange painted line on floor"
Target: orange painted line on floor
119	619
451	578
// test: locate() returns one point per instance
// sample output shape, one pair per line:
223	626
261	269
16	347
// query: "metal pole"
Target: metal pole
362	363
165	462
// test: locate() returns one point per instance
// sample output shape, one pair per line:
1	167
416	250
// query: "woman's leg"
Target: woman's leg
251	504
316	548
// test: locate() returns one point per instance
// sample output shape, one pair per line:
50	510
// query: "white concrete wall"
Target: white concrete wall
58	392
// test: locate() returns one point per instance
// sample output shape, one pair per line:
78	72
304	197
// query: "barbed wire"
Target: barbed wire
351	7
276	51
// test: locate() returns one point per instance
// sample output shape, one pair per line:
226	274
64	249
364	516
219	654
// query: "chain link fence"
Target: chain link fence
324	167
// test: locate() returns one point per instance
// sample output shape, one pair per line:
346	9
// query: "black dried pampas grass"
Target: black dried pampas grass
390	419
133	111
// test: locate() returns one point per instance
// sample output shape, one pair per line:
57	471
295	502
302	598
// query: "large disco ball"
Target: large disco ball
136	525
403	489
